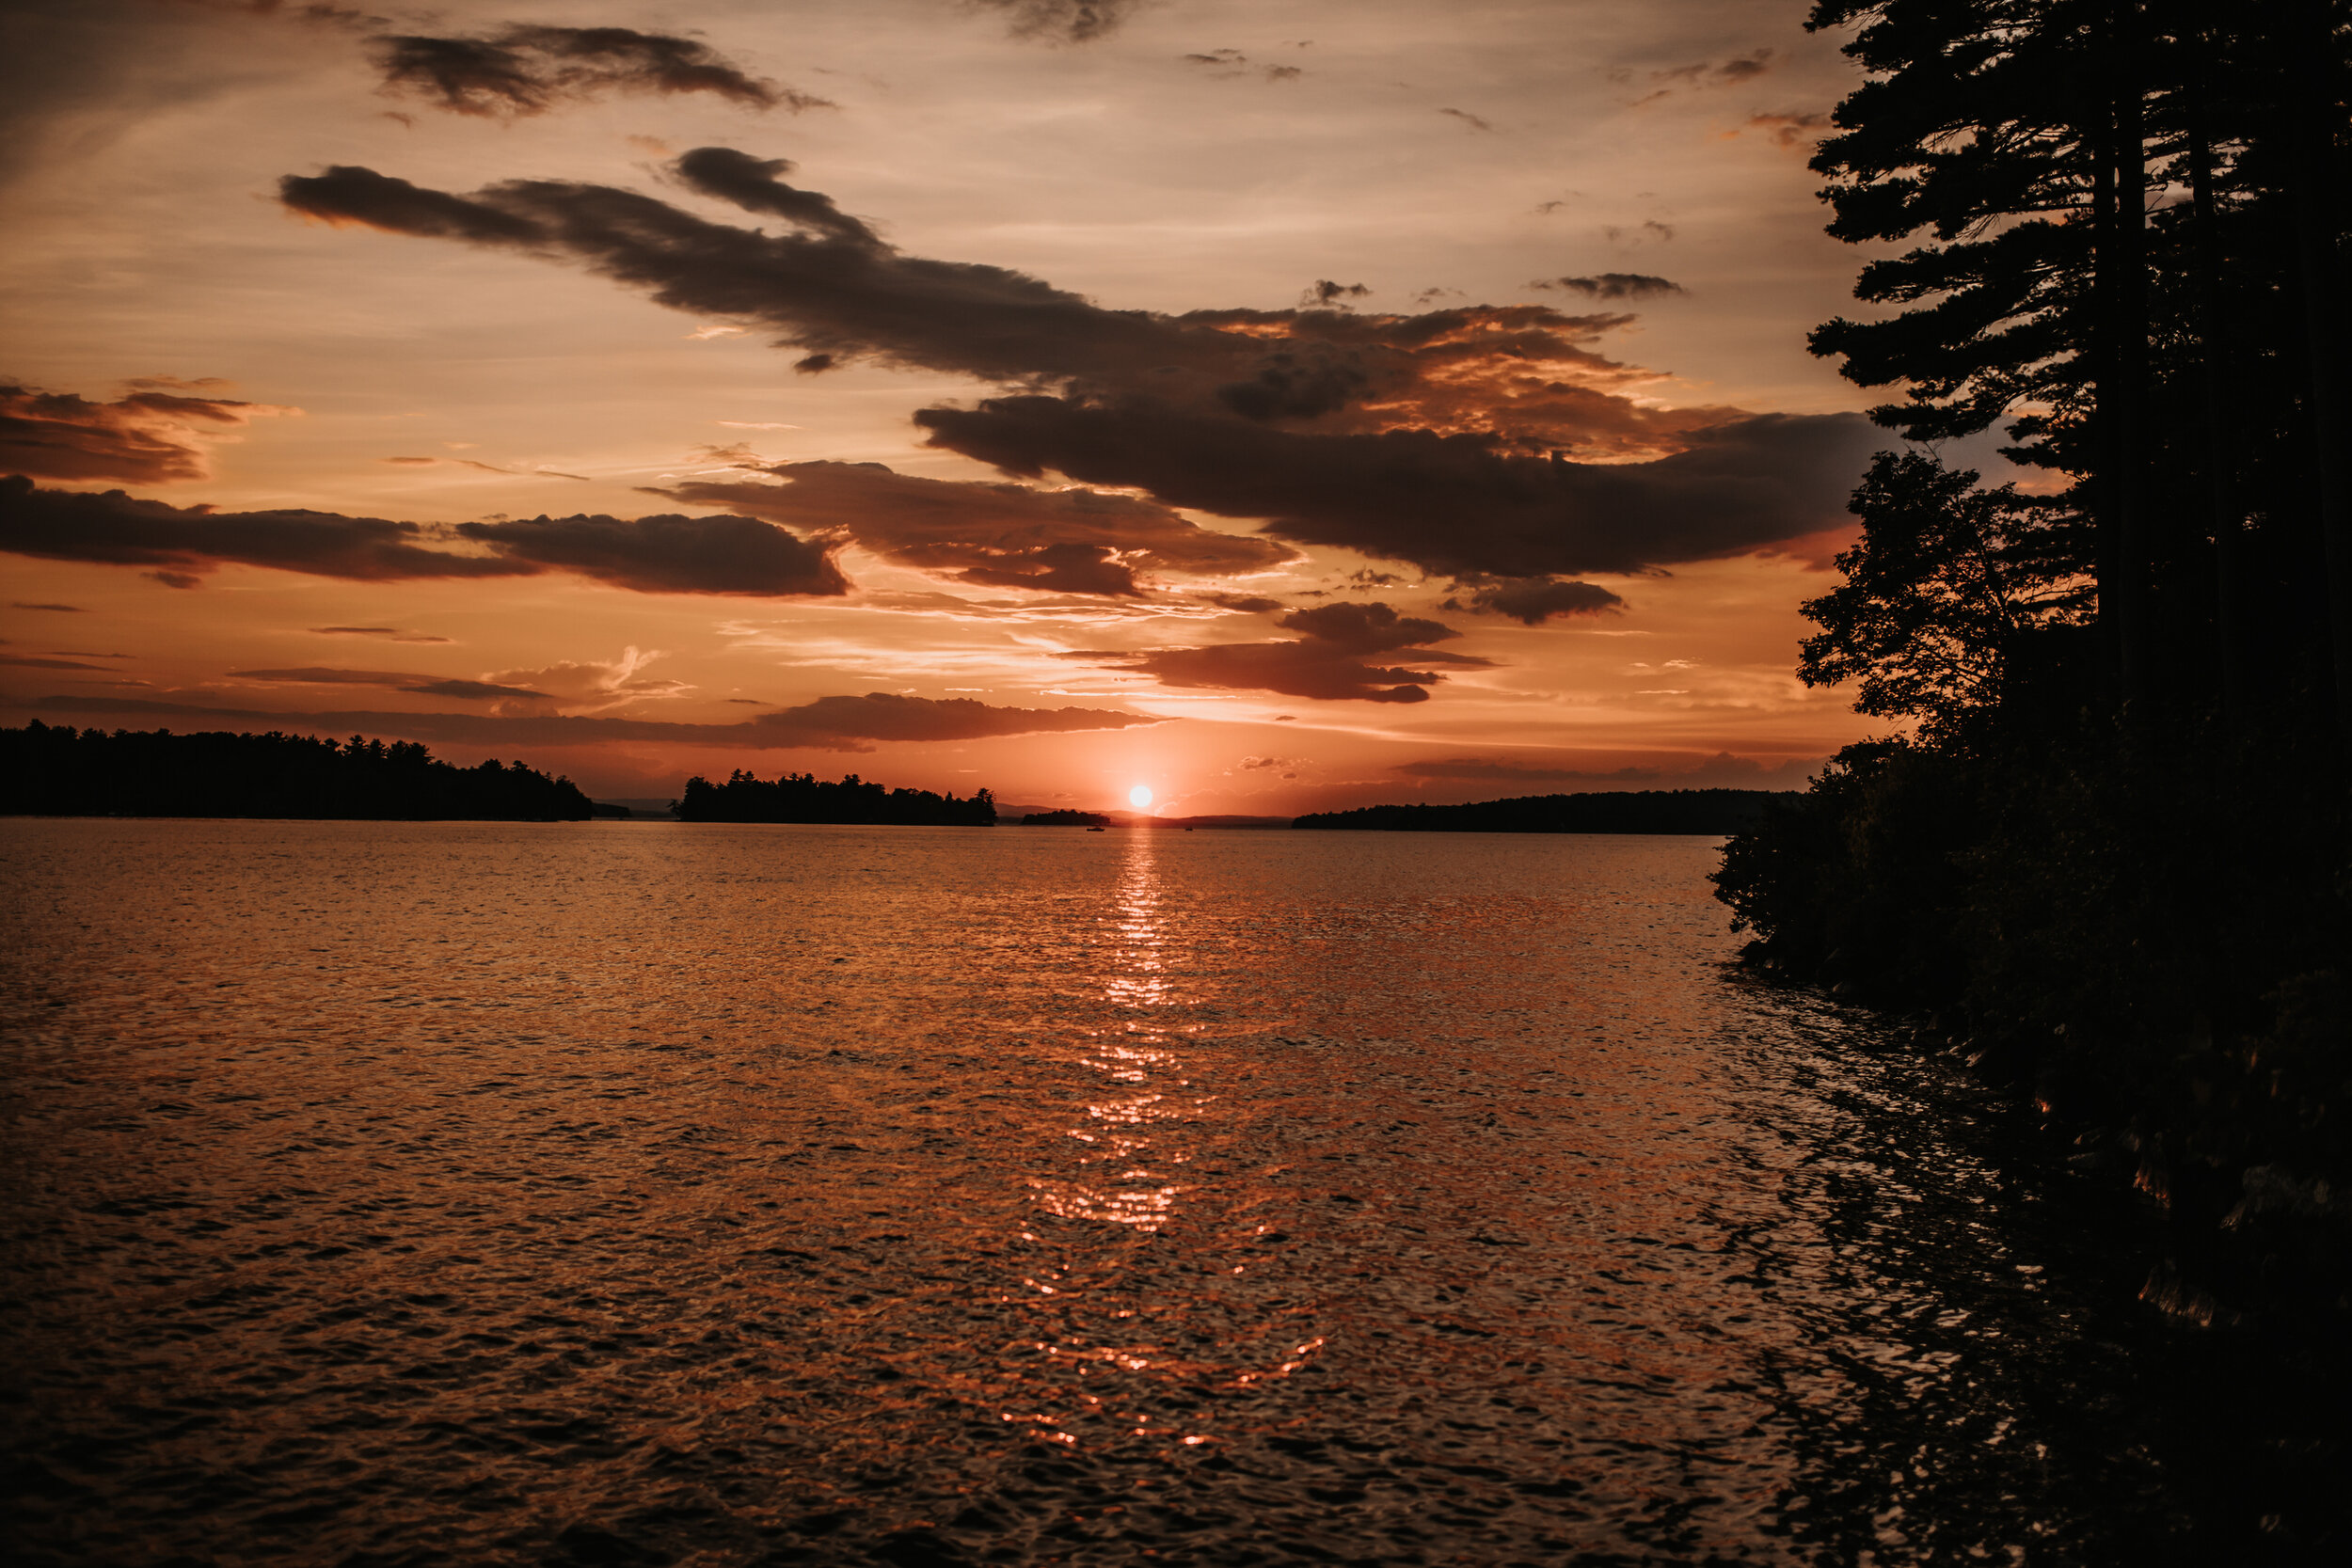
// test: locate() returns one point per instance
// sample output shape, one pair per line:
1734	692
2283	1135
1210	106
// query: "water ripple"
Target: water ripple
637	1194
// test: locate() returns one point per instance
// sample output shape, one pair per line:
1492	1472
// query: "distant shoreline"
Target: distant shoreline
1702	811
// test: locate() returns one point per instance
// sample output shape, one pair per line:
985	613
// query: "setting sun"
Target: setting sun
1140	796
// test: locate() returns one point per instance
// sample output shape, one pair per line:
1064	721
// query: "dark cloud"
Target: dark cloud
301	10
1739	68
1744	68
429	686
989	536
663	554
828	724
28	663
1526	373
1247	604
485	468
753	185
391	634
62	609
113	529
1420	437
349	194
669	553
1063	21
1650	229
1792	130
465	689
1535	600
1613	285
1450	504
1473	122
1232	62
148	437
1323	294
528	69
1327	661
837	294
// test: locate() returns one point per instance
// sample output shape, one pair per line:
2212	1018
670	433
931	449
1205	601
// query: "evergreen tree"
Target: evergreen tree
2121	258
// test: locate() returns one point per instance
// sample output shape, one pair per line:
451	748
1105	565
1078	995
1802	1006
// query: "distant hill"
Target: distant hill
60	771
1632	811
1063	817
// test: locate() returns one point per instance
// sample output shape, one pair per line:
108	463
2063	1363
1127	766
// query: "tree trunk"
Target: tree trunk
2123	287
2218	343
2314	84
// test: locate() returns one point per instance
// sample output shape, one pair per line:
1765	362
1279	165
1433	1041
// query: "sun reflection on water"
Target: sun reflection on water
1126	1129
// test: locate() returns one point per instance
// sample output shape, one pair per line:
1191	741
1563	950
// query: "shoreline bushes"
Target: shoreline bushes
805	798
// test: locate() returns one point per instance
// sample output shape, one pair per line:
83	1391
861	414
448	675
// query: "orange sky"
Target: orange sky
1103	488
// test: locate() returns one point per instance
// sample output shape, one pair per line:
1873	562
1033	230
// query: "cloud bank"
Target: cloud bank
1328	661
1451	504
148	437
1061	21
1532	601
669	553
989	536
843	723
1485	443
430	686
528	69
663	554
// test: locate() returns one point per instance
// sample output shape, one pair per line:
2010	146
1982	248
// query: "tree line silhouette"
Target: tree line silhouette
1632	811
805	798
61	771
2110	854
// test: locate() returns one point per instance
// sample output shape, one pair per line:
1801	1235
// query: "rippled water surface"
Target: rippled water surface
638	1193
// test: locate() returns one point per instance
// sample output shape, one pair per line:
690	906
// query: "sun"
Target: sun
1140	796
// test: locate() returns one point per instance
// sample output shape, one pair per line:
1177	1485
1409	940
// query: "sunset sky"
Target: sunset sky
1283	405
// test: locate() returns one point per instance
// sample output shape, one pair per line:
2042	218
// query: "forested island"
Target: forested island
1065	818
60	771
2104	856
805	798
1632	811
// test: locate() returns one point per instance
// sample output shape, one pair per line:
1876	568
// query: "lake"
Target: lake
645	1194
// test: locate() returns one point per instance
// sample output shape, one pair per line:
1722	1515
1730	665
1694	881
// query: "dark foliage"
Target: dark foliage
1065	819
805	798
2113	864
65	772
1632	811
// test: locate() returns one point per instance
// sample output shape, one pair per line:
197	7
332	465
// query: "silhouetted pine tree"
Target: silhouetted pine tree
2113	859
2121	257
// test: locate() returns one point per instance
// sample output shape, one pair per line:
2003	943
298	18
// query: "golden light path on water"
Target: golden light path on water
1137	1133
